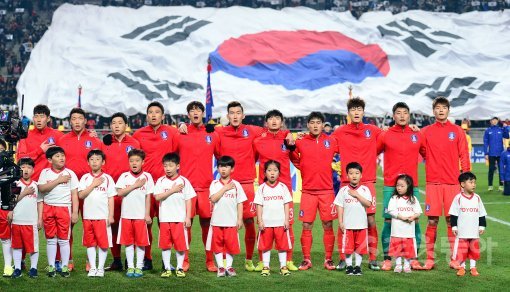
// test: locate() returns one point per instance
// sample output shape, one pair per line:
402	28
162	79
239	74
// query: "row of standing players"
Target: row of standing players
443	144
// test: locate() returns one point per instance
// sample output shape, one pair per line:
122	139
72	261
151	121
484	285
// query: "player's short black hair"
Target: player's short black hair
465	176
79	111
495	118
274	113
195	105
226	161
315	115
354	165
171	157
119	115
400	104
355	102
42	109
137	152
156	104
54	150
26	161
274	162
3	143
235	104
440	100
97	152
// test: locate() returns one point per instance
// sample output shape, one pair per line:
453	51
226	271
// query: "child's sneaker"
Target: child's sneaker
398	269
51	271
248	265
180	273
374	266
92	273
130	272
138	273
349	270
231	272
461	272
32	273
100	273
341	265
407	269
305	265
66	273
265	272
284	271
259	267
291	266
357	271
166	274
16	274
386	265
8	270
221	272
474	272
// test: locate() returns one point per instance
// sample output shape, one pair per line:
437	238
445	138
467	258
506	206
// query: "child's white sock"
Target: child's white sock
348	260
17	255
34	259
91	255
7	251
65	251
140	255
219	259
266	258
51	250
166	254
407	263
398	261
130	256
230	260
103	254
359	258
472	263
180	259
282	256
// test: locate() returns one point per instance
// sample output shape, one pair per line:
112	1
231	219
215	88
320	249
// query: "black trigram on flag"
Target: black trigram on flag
417	35
461	89
167	30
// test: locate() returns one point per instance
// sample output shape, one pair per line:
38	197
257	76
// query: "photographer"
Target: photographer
5	229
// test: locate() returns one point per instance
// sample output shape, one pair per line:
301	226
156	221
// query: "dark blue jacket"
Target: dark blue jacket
493	140
504	166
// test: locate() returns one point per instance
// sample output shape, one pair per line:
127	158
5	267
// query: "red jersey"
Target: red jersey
76	148
358	143
156	143
445	145
196	150
270	146
31	147
238	144
402	147
313	156
117	161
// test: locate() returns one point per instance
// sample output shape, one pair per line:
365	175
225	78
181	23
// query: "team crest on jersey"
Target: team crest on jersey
208	139
245	133
327	144
368	133
88	144
284	148
129	148
414	138
164	135
451	136
51	140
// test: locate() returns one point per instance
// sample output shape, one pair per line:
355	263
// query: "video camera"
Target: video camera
12	128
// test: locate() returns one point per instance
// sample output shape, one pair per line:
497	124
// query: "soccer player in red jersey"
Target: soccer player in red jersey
39	140
402	147
271	145
196	150
116	147
445	145
156	139
358	143
313	155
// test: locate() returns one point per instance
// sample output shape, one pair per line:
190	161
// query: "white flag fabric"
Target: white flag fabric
297	60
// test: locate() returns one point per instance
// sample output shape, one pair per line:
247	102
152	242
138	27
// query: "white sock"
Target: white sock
282	256
51	250
266	258
140	255
91	255
34	259
219	259
463	264
230	260
166	254
180	258
7	251
398	261
348	260
130	256
103	254
358	258
407	263
472	263
65	251
17	255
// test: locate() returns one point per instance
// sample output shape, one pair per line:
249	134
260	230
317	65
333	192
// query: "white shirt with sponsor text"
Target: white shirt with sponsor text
133	204
273	200
468	210
224	212
173	208
95	205
355	215
25	212
402	206
61	194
